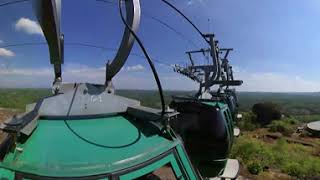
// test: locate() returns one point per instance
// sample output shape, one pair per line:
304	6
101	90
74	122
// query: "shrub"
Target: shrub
266	112
247	122
293	169
286	126
255	168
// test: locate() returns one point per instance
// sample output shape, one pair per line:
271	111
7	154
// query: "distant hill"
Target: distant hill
291	103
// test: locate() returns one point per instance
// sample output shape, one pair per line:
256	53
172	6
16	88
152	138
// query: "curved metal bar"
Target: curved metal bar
48	14
133	13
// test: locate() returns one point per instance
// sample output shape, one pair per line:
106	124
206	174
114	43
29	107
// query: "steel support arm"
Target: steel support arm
133	13
48	13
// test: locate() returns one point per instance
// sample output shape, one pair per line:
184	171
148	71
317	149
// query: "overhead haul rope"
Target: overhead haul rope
168	26
89	45
172	29
186	18
154	71
12	2
164	24
197	29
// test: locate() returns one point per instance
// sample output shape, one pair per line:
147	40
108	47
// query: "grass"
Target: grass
307	118
18	98
257	156
293	159
285	126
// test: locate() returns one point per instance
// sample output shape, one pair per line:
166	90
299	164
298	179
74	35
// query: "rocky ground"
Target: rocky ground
4	115
268	175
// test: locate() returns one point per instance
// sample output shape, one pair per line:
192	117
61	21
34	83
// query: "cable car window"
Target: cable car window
166	168
164	173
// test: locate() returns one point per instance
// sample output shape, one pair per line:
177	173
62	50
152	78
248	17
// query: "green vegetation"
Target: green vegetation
259	155
290	103
247	123
293	159
307	118
255	168
285	126
18	98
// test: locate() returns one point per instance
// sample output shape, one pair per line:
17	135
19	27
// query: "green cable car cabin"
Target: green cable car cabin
116	145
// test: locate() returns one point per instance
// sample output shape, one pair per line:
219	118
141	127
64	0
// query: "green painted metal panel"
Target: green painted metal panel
170	159
185	162
219	104
6	174
53	150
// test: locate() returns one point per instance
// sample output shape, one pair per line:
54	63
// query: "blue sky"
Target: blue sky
276	43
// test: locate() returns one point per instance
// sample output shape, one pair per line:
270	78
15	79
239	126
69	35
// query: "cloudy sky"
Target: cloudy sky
276	43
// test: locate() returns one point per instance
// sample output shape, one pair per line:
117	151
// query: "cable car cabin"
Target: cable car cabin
228	97
206	128
100	136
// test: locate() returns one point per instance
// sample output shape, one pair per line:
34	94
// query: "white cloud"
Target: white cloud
28	26
275	82
191	2
135	68
23	77
26	72
42	77
261	81
6	53
83	73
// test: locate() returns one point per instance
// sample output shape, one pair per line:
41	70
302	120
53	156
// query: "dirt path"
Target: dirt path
4	115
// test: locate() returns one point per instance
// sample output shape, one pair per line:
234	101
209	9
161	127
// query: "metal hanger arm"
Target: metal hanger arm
133	13
48	13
